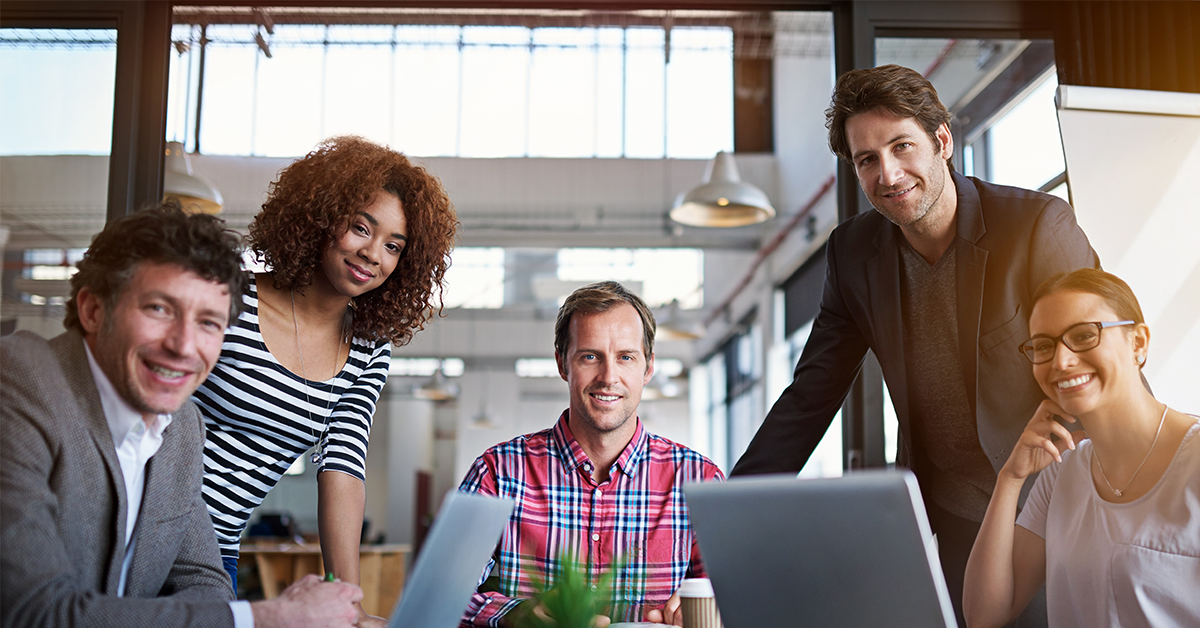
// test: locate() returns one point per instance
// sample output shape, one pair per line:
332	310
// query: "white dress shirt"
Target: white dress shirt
136	442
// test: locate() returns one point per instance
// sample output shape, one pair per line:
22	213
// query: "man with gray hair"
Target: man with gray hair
596	484
102	523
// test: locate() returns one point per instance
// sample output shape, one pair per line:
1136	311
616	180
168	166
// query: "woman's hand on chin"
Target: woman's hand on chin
1042	442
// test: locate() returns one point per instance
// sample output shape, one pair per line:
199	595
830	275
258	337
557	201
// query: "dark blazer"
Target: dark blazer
1009	241
63	505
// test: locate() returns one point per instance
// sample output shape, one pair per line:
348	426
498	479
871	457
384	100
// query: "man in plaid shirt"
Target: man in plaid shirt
596	485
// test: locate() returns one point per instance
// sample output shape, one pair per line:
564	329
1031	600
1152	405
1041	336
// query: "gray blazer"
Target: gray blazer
63	505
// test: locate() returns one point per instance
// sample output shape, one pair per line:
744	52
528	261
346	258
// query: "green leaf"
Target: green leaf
571	602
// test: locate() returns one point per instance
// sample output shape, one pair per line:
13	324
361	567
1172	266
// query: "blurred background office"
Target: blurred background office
566	137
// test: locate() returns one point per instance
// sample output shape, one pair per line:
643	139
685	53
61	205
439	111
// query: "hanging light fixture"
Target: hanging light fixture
194	194
673	325
483	419
723	200
437	387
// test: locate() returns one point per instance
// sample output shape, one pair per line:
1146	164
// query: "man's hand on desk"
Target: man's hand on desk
310	602
535	608
668	614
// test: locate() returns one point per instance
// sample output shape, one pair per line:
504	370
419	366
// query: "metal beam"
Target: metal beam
139	106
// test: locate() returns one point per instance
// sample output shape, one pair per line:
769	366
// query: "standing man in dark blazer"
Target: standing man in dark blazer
937	283
101	518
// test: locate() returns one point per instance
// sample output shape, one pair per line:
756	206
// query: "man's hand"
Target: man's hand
370	621
310	603
670	613
537	610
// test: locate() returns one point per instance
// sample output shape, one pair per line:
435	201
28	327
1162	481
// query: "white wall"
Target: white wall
409	449
1133	181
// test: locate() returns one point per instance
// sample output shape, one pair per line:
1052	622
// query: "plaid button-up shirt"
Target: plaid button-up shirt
638	517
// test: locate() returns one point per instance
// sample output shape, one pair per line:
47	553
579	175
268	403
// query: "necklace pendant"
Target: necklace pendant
1114	490
316	459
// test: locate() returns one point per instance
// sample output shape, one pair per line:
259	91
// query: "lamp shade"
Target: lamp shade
437	388
673	326
723	200
194	194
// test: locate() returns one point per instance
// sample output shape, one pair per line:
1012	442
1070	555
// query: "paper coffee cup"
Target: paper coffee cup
698	604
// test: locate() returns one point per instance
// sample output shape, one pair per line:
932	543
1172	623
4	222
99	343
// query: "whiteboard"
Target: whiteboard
1133	161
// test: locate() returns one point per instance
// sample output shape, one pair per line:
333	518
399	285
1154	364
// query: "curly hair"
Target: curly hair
901	91
310	206
161	234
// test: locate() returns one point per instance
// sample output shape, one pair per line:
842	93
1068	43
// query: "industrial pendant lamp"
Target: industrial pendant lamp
194	194
723	200
436	388
672	325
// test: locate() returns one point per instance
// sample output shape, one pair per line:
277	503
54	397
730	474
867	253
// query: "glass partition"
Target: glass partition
56	125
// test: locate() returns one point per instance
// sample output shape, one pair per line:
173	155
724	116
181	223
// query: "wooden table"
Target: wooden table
381	569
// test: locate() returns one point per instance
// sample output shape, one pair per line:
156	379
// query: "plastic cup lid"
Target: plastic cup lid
696	587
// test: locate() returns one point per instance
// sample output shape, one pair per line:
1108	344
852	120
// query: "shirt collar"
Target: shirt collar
121	416
574	456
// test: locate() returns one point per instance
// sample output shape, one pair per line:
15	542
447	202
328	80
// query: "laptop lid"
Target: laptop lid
459	544
854	551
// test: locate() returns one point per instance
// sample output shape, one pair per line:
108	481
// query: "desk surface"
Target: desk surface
288	547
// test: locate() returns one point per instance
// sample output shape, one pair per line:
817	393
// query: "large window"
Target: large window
1024	146
454	90
56	99
475	278
57	86
666	275
729	387
487	277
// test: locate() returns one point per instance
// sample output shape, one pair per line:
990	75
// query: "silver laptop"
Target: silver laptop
852	552
462	539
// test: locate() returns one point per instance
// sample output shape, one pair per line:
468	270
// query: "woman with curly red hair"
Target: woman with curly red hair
356	239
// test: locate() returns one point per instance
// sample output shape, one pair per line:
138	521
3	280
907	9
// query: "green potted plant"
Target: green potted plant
571	602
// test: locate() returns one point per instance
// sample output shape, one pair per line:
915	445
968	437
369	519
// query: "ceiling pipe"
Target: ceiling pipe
767	250
940	59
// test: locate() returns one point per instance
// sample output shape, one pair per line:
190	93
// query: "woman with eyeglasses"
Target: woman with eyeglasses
1112	523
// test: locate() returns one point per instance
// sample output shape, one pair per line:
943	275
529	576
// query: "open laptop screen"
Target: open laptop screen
459	544
854	551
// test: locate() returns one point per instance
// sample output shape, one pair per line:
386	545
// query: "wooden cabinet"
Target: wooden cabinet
381	568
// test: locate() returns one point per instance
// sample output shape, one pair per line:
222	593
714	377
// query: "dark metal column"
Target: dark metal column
139	105
862	414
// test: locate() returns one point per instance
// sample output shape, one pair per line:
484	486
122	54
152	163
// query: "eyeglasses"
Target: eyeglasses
1080	338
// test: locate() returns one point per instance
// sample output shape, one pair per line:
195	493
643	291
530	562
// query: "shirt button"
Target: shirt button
599	493
595	537
593	587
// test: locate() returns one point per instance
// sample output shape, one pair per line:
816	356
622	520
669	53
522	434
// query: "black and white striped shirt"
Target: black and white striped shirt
260	417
